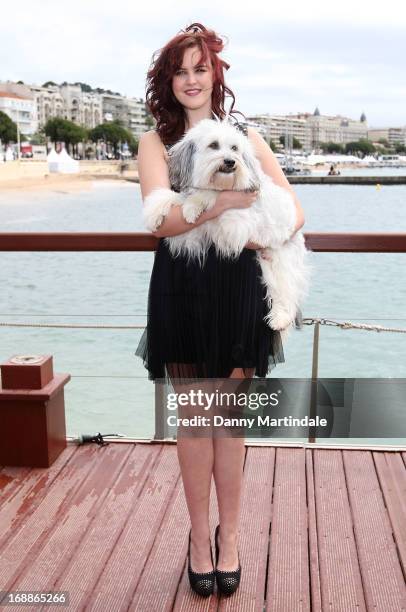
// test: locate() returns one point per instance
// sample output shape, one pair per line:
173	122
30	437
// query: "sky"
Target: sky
344	57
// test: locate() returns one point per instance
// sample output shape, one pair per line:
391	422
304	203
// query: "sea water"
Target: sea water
109	390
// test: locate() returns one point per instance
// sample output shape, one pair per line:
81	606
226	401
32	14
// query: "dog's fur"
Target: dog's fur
213	156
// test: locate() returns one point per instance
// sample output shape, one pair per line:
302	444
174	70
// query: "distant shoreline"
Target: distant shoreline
66	182
35	175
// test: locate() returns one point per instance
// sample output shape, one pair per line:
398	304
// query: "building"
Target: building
392	135
137	115
312	129
130	111
20	109
81	107
85	108
48	103
276	126
337	129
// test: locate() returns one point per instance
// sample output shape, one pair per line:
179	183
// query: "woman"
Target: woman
204	323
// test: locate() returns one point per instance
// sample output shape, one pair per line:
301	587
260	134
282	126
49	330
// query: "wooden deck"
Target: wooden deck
321	529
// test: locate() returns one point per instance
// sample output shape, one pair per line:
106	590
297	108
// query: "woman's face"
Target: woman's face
192	84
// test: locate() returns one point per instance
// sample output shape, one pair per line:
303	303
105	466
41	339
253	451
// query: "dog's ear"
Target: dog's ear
254	167
181	160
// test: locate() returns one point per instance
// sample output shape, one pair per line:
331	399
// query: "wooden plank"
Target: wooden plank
57	533
382	578
314	568
23	491
14	477
356	242
288	573
185	598
341	585
253	541
120	575
111	527
78	241
363	242
393	502
21	548
90	540
11	478
398	471
164	567
253	537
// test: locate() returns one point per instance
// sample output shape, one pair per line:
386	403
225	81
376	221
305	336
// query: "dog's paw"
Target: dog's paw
157	206
279	319
158	222
191	213
193	207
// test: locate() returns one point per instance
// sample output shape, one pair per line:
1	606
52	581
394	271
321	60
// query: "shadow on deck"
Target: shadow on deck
320	529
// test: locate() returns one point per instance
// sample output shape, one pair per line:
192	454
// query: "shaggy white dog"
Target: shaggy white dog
214	155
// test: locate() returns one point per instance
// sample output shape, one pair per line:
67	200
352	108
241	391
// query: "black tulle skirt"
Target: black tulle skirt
202	322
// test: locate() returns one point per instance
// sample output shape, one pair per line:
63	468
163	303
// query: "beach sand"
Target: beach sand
67	183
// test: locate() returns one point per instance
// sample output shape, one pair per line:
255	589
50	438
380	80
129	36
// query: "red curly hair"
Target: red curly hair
160	100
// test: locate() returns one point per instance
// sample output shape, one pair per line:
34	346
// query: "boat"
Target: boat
296	171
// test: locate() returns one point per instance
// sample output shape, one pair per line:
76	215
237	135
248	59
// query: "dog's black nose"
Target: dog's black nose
229	163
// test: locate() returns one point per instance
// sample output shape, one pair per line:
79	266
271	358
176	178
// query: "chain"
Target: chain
305	321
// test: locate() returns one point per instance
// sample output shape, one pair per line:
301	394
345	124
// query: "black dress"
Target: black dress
202	322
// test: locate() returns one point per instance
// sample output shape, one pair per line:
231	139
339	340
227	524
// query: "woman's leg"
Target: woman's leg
195	455
229	454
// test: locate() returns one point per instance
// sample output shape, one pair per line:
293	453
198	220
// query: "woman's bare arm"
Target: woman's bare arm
271	167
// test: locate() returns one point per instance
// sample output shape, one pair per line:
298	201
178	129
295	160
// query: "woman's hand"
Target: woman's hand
264	253
235	199
253	245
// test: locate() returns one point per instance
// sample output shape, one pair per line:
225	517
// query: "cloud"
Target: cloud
345	58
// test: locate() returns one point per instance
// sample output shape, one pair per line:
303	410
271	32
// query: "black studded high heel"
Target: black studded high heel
201	582
227	581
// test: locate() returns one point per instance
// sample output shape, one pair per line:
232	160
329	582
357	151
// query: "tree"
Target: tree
38	138
8	129
49	83
400	147
331	147
296	144
133	144
62	130
84	87
363	145
113	133
149	121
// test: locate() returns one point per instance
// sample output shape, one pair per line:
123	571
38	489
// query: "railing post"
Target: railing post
160	426
315	370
